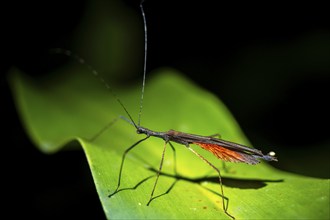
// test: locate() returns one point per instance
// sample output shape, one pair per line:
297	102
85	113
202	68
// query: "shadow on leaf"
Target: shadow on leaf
227	181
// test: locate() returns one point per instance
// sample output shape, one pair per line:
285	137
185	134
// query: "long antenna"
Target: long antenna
145	59
95	73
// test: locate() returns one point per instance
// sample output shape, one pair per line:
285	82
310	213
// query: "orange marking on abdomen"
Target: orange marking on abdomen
224	153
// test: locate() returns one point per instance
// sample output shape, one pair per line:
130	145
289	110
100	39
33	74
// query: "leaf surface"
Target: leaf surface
71	108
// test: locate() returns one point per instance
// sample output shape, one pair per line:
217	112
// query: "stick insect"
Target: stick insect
222	149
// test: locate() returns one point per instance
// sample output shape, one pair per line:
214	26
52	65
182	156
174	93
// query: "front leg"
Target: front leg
158	173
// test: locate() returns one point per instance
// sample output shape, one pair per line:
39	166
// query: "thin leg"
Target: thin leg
159	170
174	158
122	163
220	181
107	126
103	130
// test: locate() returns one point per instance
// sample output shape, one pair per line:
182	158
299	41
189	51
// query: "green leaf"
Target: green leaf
72	108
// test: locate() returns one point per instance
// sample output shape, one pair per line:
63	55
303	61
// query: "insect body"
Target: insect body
224	150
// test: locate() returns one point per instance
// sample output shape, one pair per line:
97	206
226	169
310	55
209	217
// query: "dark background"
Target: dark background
270	64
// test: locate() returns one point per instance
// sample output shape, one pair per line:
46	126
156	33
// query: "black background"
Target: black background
199	38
